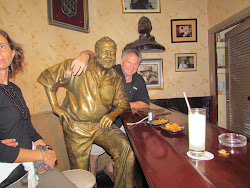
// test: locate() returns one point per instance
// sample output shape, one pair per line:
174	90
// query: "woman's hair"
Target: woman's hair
17	62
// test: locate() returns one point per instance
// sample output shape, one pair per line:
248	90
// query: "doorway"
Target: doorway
236	19
237	78
221	77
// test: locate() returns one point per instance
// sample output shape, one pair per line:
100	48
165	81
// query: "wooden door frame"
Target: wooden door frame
228	36
233	20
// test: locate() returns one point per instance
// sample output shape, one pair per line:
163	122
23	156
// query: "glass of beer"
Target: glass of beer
197	131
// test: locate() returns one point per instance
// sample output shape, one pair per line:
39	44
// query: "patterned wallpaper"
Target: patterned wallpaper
219	11
45	45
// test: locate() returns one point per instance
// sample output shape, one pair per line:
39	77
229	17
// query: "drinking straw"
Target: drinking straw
137	122
188	105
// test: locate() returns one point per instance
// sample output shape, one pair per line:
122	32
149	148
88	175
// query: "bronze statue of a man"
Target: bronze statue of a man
86	115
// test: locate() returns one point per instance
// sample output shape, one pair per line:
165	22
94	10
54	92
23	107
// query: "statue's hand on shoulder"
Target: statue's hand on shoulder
106	122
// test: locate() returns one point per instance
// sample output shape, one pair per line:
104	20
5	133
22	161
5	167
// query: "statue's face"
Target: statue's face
144	25
106	54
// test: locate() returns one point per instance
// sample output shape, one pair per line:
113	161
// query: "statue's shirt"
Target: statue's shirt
88	98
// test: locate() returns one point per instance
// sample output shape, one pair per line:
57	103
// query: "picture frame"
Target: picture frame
152	72
141	6
183	30
73	15
185	62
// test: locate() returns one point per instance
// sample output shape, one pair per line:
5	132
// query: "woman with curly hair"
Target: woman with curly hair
18	138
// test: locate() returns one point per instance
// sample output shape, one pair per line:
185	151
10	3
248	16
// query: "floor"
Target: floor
103	180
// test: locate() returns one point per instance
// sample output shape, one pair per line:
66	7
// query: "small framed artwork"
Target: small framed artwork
186	62
69	14
183	30
151	71
141	6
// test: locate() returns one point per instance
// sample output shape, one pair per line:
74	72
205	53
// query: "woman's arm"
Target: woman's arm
26	155
39	142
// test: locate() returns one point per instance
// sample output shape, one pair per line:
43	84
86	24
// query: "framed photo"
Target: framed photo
186	62
184	30
69	14
141	6
151	71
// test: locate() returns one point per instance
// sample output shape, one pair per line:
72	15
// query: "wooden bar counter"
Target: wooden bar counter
163	159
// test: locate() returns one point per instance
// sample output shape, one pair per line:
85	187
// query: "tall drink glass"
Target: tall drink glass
197	131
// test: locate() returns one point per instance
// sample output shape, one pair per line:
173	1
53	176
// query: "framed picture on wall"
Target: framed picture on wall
141	6
185	62
69	14
151	71
183	30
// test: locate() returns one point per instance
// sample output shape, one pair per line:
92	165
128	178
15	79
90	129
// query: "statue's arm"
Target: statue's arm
62	114
121	101
52	78
52	100
121	104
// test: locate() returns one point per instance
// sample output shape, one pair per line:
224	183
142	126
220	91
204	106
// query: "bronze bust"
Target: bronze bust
146	42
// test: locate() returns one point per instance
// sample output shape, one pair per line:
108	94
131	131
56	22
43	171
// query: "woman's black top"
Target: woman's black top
13	125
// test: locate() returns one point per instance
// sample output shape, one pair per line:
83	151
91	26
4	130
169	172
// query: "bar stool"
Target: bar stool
81	178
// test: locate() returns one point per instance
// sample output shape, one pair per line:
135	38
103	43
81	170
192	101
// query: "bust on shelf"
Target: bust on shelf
146	42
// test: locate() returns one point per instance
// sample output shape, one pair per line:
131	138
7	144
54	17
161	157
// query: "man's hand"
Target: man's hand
79	65
106	122
10	142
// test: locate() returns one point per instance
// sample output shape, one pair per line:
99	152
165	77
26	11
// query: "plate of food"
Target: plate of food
158	122
172	128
